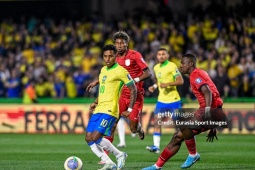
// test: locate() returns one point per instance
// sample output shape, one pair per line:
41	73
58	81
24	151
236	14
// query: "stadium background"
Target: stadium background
57	44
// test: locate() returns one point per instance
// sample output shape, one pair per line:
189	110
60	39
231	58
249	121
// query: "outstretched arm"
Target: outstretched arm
91	85
146	74
208	100
178	81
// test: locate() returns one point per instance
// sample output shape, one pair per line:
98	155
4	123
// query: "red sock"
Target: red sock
191	146
164	156
110	139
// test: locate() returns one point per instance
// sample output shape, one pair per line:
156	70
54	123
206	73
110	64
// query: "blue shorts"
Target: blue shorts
102	123
167	107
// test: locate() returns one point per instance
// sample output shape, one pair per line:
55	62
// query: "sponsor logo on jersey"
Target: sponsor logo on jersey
127	62
198	80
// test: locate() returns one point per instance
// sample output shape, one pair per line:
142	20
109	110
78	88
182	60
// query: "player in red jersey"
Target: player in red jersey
210	107
134	63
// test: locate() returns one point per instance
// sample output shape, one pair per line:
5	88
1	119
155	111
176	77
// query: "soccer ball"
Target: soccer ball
73	163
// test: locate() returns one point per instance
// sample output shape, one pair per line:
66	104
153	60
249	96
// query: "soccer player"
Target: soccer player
167	77
111	79
139	71
209	99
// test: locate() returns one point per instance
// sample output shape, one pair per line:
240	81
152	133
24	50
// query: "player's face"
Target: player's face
185	65
109	58
162	56
121	45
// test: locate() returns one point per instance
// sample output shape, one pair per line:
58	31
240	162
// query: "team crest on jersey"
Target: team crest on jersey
127	62
103	79
198	80
159	74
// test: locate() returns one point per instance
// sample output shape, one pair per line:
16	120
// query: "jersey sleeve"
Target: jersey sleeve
140	61
175	72
198	80
125	77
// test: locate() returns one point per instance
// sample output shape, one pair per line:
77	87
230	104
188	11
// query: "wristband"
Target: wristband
129	110
137	79
155	86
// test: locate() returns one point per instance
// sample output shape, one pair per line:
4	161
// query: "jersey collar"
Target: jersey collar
165	63
114	66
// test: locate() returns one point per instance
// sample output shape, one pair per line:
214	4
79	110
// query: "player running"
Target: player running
168	77
210	109
134	63
106	111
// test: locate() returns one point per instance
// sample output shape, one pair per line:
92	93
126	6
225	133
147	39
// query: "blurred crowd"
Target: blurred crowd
61	57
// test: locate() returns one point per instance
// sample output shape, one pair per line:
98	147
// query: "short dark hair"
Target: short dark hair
162	49
121	35
110	47
192	57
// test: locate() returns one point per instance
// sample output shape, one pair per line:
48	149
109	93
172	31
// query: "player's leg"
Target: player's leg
157	129
134	123
170	150
135	117
94	133
121	133
189	139
156	135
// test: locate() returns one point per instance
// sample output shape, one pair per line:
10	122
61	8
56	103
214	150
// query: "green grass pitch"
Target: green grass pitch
49	151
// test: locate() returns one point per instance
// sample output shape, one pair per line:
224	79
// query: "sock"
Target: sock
191	146
100	153
107	145
121	131
110	139
156	139
164	157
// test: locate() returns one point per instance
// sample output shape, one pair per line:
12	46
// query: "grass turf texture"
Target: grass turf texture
48	152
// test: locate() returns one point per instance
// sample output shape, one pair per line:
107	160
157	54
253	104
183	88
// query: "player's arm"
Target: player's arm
178	81
146	74
133	94
93	105
91	85
208	99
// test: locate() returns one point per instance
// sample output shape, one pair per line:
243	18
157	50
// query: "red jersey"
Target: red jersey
198	78
134	63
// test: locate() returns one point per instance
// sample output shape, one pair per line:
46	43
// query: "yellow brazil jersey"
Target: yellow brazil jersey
166	73
111	81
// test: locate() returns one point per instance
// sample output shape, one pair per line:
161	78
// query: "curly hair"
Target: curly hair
121	35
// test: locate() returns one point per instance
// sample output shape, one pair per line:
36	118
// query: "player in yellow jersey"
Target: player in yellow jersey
111	79
167	77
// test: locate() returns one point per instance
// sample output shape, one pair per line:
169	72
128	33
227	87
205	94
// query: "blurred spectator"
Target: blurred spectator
245	88
70	49
13	85
222	81
29	95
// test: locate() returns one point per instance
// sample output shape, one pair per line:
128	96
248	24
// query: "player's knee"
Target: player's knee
177	139
88	138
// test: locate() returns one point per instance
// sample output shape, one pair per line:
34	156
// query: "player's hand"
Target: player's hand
151	89
92	107
91	85
211	135
207	113
125	114
163	85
